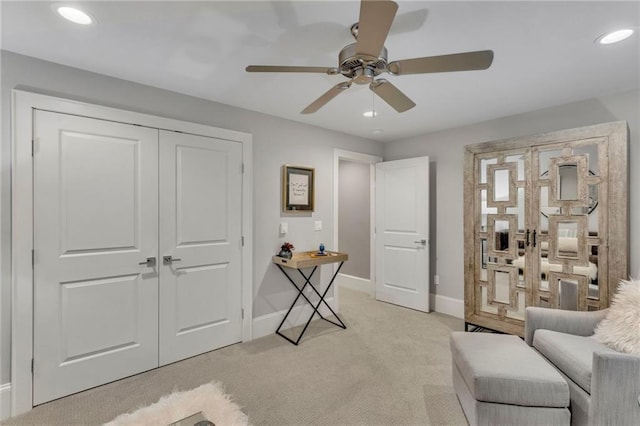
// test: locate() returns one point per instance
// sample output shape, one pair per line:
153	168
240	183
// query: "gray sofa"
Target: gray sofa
604	385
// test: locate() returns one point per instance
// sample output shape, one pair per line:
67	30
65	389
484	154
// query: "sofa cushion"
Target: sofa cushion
620	329
503	369
571	354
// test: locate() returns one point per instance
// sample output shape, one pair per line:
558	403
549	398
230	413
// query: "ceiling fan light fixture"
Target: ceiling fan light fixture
74	15
362	62
615	36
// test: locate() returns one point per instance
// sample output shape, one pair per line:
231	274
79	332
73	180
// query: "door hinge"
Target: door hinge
33	258
242	168
33	361
242	241
242	313
33	143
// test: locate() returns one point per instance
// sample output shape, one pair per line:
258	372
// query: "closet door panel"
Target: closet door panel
200	229
95	221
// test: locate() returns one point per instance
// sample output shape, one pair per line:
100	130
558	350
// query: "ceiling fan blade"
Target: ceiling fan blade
279	68
376	17
326	97
391	95
479	60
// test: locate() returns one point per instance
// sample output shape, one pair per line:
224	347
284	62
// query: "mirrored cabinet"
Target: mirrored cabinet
545	224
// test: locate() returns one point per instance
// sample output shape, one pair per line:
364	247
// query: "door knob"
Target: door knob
151	261
169	259
423	242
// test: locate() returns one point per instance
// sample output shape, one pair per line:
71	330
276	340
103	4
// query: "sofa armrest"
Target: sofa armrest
615	389
580	323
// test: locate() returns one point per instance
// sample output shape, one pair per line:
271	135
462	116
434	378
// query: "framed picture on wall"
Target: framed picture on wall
297	189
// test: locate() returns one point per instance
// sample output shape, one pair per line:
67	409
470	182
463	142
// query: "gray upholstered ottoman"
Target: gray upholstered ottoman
500	380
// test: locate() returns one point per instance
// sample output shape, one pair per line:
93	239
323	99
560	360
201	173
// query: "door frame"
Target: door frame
22	105
356	157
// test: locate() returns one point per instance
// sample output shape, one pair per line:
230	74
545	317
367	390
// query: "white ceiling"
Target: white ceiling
545	54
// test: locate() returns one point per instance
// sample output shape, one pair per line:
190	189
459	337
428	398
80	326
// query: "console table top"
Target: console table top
307	259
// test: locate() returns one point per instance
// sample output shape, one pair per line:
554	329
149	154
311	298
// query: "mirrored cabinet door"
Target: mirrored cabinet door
570	225
545	224
500	236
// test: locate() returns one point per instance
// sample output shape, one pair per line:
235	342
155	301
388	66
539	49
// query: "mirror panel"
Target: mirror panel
543	160
567	241
567	188
519	160
518	314
501	185
485	306
546	210
591	152
501	232
591	205
519	210
485	259
502	286
484	210
483	168
568	182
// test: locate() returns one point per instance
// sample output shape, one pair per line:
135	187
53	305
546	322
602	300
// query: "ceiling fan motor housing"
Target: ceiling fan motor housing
361	68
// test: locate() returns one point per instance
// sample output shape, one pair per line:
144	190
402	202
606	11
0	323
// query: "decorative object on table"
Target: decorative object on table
297	189
321	250
286	250
207	401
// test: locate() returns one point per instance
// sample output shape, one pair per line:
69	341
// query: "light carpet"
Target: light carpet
391	366
210	399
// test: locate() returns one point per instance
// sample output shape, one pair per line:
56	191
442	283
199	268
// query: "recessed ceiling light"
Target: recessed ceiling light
74	15
377	131
369	114
615	36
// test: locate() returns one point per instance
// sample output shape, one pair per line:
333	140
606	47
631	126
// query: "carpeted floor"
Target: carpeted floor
392	366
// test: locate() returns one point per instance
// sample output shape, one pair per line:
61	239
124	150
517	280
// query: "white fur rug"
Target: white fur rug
208	398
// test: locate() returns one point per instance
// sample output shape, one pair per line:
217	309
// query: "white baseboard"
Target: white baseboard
447	305
268	324
5	401
354	283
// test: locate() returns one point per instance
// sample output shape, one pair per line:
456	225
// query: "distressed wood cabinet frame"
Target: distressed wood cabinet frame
612	140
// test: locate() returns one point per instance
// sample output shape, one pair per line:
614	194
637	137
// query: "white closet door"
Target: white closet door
95	220
200	228
402	232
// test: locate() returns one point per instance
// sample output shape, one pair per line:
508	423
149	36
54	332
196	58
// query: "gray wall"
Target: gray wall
275	142
445	150
278	141
354	217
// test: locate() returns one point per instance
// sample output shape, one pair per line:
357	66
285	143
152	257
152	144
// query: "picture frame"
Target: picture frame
298	188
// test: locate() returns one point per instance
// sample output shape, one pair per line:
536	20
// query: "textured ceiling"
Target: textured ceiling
545	54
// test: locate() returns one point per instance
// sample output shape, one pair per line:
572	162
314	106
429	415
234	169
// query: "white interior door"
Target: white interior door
200	228
95	220
402	232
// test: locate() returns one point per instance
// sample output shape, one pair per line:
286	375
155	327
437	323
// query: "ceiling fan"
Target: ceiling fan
361	62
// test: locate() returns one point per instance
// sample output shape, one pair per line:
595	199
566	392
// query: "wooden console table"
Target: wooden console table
310	259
